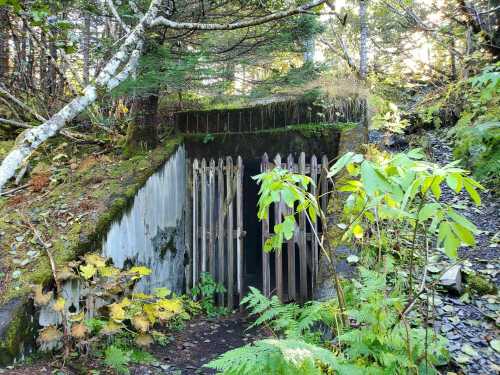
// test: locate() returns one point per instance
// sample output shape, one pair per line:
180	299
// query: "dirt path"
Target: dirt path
203	340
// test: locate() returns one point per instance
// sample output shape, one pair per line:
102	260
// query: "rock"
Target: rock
452	279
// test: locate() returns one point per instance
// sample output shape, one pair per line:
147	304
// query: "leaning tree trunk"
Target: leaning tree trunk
363	42
4	44
142	132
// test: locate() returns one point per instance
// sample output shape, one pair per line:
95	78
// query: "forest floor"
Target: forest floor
201	340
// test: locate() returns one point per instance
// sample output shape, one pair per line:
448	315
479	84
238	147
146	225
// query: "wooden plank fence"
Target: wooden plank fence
216	243
304	245
215	230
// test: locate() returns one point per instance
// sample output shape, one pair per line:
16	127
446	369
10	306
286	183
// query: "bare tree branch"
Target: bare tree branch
162	21
113	10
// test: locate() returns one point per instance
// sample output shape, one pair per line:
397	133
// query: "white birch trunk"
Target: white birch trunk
111	76
363	43
108	79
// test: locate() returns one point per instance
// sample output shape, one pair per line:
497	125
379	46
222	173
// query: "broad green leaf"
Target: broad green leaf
341	163
428	210
436	187
464	234
461	220
472	191
372	179
162	292
455	181
451	244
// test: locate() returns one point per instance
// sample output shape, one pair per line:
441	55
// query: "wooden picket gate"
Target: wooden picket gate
304	239
216	205
215	232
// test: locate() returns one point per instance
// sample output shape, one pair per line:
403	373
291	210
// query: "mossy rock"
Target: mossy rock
480	285
17	329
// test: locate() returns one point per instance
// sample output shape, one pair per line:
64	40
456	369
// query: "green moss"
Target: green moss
480	285
20	328
307	130
119	182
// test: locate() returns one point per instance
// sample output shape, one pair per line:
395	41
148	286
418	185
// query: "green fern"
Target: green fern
275	357
291	319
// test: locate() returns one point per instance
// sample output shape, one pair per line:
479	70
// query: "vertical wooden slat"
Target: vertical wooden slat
324	183
278	257
230	247
211	218
220	226
266	267
292	295
188	223
314	229
196	258
302	240
203	183
239	229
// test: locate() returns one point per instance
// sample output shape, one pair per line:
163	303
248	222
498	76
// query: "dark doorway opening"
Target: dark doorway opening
253	227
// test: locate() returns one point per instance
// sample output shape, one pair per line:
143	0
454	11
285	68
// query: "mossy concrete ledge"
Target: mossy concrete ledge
17	329
73	216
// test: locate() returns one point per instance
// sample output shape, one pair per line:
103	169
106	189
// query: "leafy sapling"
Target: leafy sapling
403	192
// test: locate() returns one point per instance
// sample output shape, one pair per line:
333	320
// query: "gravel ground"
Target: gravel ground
471	322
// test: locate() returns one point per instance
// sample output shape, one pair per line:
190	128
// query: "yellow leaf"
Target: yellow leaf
357	231
95	259
77	317
59	304
144	340
111	328
142	296
87	271
49	334
109	271
79	330
41	298
139	272
150	310
173	305
140	323
116	312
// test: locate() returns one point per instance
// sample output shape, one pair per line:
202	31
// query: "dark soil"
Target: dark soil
203	340
200	341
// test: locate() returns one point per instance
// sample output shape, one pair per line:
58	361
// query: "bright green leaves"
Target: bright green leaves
404	190
347	158
428	210
455	182
454	231
447	238
87	271
470	186
280	185
283	231
373	179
